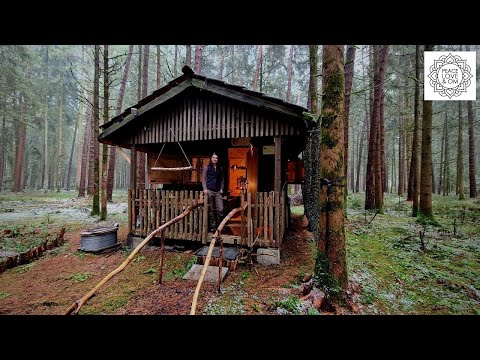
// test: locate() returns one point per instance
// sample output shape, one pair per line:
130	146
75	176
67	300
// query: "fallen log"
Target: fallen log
76	306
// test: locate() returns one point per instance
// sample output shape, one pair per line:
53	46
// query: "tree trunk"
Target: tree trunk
372	143
60	144
198	58
352	165
222	62
415	158
4	145
159	69
70	160
401	175
349	70
96	121
188	55
330	266
460	180
139	74
20	153
141	156
471	151
175	62
80	128
364	135
446	163
121	93
383	169
360	150
85	149
309	200
290	73
426	165
440	168
106	81
45	184
258	68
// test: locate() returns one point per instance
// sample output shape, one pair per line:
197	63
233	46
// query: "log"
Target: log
76	306
209	255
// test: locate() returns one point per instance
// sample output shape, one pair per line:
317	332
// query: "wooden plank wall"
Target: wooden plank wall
205	117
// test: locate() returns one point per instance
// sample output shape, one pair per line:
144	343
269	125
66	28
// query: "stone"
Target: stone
267	256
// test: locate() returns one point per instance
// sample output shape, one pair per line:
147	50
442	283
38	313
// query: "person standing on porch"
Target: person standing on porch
213	187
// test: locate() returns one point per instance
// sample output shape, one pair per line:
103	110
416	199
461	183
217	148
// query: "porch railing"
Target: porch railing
263	221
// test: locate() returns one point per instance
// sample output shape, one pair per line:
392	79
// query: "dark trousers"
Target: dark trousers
215	209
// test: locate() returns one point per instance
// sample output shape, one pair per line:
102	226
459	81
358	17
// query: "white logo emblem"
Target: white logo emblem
450	75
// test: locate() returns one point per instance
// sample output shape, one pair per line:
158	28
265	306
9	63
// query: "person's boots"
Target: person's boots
219	217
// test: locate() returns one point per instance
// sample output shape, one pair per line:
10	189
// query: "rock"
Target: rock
268	256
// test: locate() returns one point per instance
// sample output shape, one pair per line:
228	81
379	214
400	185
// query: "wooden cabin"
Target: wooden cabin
258	140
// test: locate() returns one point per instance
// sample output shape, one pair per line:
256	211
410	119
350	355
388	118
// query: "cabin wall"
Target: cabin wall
196	117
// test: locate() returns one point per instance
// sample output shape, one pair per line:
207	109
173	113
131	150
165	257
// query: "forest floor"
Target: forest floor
387	264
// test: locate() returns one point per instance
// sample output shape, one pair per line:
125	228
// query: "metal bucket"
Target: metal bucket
98	239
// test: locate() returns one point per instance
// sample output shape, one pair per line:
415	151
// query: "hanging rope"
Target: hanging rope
176	168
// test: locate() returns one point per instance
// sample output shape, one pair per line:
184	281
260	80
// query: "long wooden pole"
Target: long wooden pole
209	255
75	307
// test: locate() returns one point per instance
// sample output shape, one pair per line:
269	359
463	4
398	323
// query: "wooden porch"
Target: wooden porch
263	222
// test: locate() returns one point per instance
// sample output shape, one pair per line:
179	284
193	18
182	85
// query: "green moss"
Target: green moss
323	279
334	91
327	140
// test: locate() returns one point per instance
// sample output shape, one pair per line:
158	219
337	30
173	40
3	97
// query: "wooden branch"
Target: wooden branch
209	255
172	169
123	153
75	307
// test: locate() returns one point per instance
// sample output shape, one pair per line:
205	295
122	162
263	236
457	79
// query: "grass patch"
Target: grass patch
290	304
396	277
79	277
181	267
4	295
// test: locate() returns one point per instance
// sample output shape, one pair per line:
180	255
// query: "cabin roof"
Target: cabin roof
190	79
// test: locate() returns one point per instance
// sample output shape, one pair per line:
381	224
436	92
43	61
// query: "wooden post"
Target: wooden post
162	256
130	209
271	225
282	215
249	219
278	164
145	212
277	209
220	253
242	218
133	187
266	201
205	219
133	168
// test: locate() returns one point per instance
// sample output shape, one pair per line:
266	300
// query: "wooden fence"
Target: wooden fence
263	222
